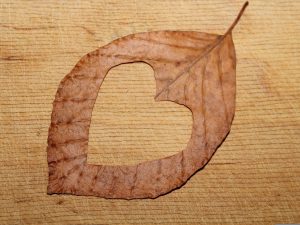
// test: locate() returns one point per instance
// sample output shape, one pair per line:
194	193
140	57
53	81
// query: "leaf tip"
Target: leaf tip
158	97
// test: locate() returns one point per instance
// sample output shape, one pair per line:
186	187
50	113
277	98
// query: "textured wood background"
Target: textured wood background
252	179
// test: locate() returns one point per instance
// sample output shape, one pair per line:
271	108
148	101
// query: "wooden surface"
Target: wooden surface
252	179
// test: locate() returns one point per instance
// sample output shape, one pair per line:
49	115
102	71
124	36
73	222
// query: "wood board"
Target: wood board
252	179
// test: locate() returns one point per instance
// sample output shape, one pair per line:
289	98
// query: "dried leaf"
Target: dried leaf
194	69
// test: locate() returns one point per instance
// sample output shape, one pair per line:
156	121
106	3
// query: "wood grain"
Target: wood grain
252	179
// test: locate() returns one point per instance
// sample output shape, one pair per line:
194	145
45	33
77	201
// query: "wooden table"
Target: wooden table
252	179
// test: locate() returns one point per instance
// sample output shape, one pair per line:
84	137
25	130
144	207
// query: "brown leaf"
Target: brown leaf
194	69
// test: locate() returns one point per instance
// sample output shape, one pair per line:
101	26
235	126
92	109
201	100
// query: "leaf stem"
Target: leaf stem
237	18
